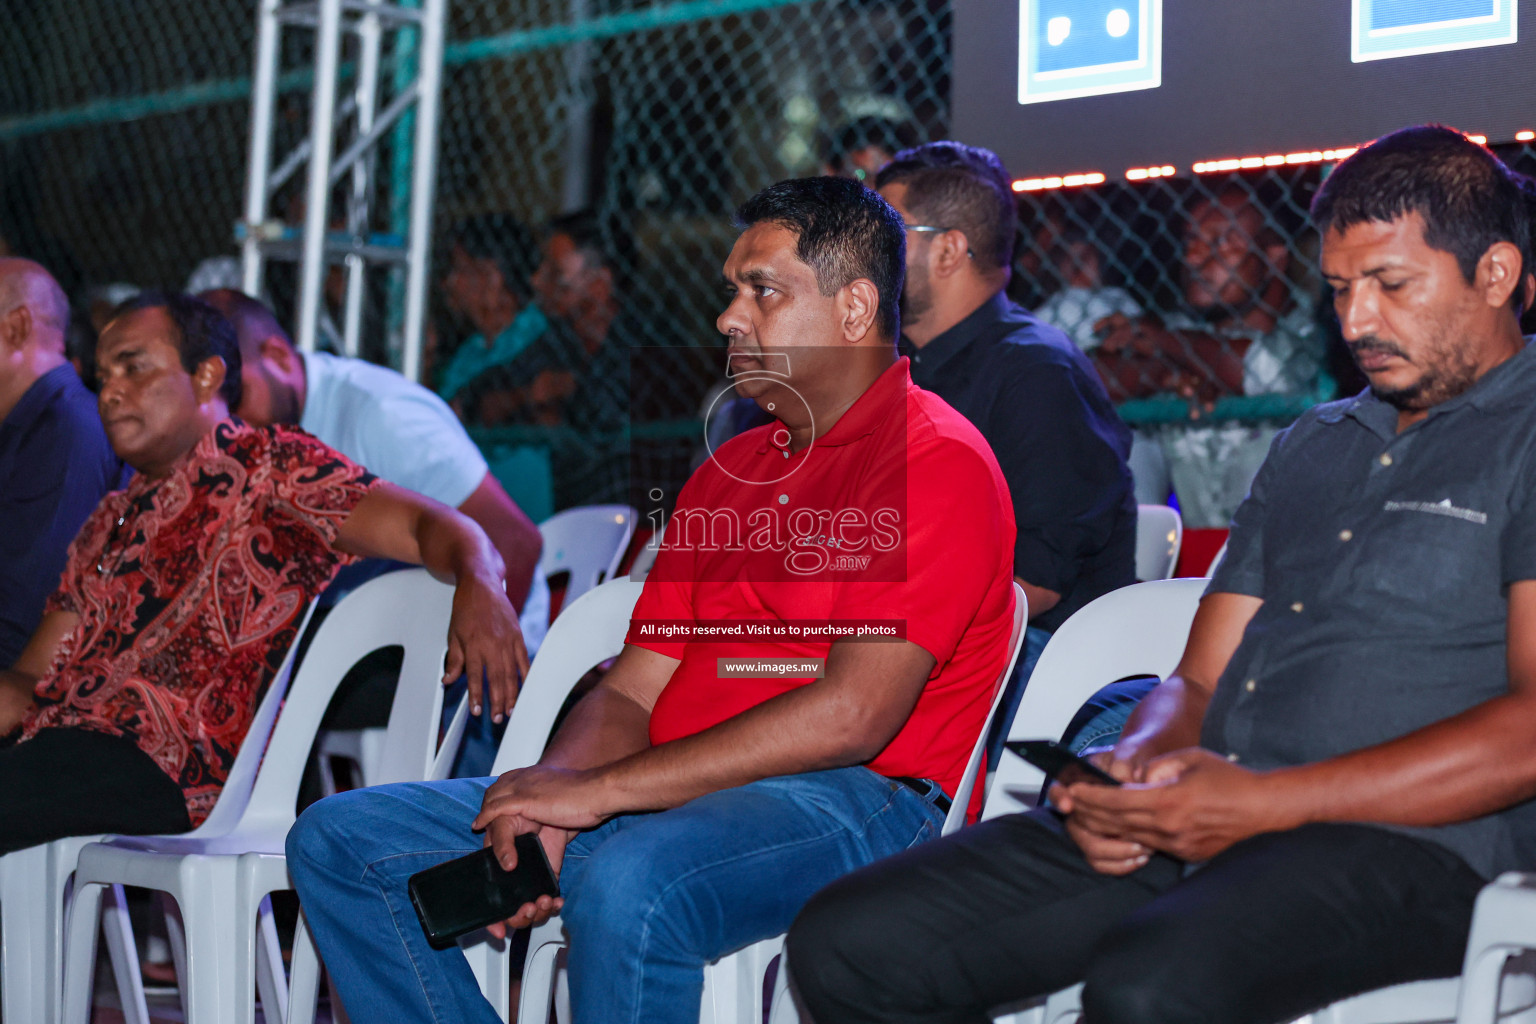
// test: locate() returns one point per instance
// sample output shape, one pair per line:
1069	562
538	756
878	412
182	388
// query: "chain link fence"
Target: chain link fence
123	138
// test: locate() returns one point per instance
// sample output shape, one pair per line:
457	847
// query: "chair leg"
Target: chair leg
270	979
539	971
84	922
26	939
215	994
176	935
304	986
117	927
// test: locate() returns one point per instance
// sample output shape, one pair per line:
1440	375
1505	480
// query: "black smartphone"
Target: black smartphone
461	895
1060	763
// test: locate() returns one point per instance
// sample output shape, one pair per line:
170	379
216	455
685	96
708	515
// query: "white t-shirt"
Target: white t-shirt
397	428
405	434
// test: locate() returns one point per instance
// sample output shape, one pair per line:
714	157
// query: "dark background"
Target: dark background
1240	78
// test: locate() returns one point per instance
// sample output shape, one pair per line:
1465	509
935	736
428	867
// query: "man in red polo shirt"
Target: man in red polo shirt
780	749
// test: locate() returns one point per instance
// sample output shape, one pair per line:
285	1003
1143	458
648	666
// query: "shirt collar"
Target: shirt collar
868	412
943	348
1514	378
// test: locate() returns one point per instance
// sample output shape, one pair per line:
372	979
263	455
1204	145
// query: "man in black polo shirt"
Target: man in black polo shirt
1345	753
1023	383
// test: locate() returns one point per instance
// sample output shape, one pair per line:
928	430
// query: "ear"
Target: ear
1499	273
208	378
858	304
279	353
949	253
16	327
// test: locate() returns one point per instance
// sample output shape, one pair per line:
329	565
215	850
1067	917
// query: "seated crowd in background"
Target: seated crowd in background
1357	843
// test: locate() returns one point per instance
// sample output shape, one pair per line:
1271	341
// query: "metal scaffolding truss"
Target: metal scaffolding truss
341	153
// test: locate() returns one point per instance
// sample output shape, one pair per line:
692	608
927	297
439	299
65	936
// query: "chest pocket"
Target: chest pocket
1432	553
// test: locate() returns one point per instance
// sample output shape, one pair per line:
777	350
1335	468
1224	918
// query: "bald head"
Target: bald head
271	373
26	285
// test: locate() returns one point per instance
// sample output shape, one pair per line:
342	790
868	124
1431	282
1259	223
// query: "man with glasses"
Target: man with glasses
1024	384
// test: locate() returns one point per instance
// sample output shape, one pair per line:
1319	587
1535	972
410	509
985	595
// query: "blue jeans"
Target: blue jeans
1099	721
650	898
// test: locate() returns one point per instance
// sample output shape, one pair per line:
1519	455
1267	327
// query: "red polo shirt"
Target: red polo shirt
898	514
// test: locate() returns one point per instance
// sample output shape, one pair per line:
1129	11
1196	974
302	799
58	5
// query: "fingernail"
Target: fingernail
496	718
474	709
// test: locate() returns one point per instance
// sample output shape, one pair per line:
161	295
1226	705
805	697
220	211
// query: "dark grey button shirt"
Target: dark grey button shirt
1383	561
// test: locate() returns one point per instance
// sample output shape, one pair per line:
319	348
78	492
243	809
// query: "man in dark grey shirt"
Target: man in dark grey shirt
1345	753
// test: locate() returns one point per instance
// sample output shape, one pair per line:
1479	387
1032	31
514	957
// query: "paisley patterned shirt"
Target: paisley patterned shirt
189	590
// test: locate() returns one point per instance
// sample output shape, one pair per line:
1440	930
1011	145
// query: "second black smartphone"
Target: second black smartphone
1060	763
458	896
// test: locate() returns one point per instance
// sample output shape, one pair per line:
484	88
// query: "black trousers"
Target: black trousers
1271	929
73	782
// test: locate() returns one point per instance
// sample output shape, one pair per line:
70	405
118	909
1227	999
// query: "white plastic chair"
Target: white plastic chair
733	985
221	881
35	890
588	542
1136	630
1159	535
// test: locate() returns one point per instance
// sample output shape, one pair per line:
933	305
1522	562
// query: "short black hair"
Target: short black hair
506	241
201	333
952	185
844	232
1467	197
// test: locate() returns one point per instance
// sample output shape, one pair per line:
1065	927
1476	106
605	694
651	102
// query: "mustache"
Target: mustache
1371	343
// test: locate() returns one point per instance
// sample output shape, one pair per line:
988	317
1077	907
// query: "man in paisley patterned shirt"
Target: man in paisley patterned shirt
183	591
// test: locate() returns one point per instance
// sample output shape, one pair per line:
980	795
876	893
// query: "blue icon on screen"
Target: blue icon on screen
1402	28
1070	48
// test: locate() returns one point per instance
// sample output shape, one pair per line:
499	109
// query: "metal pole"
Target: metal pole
368	37
423	184
263	106
321	131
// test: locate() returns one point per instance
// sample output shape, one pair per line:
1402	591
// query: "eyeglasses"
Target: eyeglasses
931	229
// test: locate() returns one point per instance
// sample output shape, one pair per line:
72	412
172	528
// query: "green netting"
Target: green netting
124	130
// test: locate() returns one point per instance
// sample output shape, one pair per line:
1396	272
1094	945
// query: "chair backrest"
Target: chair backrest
236	792
587	542
961	803
407	608
1221	553
1137	630
585	633
1159	534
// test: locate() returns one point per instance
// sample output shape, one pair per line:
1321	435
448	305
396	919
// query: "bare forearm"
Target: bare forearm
795	732
454	549
603	727
511	532
1463	767
1167	719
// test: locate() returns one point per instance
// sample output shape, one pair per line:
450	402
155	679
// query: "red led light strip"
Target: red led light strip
1242	163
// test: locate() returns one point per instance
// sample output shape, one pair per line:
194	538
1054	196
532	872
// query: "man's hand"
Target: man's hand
486	642
554	802
543	795
501	834
1192	805
1105	854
